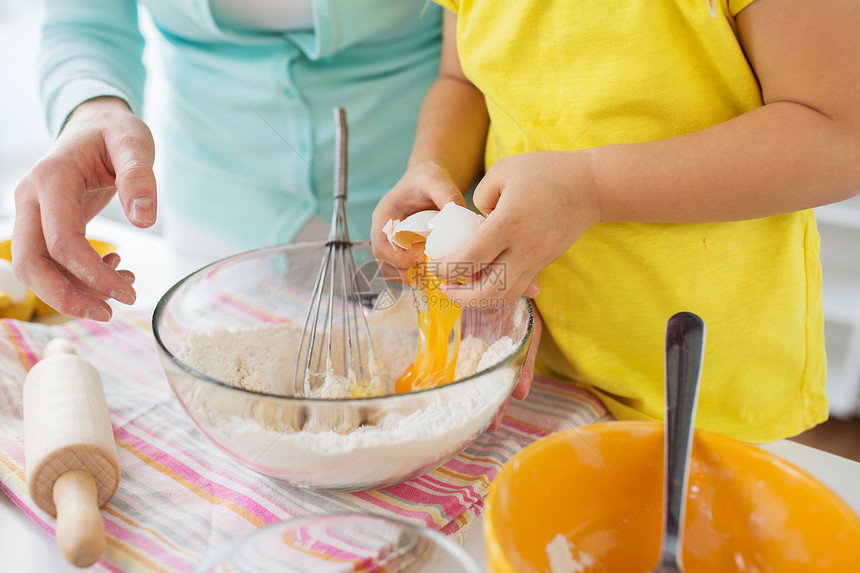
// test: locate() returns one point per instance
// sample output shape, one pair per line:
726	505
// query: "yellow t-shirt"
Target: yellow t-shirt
572	74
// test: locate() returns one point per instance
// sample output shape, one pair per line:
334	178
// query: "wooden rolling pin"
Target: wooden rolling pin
70	453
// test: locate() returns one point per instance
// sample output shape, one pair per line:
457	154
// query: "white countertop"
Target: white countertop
26	548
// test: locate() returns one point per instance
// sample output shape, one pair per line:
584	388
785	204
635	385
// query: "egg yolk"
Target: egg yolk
438	334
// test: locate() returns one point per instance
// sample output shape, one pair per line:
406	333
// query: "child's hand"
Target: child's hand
537	205
423	186
524	383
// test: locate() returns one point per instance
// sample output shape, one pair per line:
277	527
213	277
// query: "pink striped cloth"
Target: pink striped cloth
181	498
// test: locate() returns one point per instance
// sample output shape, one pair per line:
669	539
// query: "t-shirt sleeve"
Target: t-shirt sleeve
89	49
452	5
736	6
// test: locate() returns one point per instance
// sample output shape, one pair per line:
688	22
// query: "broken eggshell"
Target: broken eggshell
442	232
449	230
411	230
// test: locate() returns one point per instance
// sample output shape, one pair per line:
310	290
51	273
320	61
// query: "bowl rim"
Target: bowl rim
441	540
165	298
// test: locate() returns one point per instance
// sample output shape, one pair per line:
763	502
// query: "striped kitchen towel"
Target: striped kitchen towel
180	497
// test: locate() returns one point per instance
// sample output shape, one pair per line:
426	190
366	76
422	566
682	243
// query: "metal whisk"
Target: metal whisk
334	293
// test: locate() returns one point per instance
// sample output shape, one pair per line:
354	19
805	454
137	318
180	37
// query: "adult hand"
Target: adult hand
537	206
103	149
423	186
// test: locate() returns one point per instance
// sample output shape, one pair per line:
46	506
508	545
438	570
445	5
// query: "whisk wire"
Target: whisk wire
357	314
337	260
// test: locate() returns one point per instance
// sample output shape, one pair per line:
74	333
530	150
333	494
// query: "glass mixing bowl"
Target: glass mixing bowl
342	543
215	328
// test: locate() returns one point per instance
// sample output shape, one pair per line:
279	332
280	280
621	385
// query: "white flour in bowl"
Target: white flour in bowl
337	444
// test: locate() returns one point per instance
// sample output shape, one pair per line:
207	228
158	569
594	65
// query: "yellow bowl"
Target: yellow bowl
601	488
18	310
30	306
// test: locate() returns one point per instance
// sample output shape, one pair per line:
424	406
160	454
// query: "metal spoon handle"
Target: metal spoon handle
685	341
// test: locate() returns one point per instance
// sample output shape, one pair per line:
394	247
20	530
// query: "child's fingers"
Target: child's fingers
524	383
487	193
394	257
501	282
532	290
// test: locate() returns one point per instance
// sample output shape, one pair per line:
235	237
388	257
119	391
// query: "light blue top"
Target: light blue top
246	141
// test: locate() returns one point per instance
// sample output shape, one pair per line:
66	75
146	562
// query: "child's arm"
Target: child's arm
447	157
448	153
800	150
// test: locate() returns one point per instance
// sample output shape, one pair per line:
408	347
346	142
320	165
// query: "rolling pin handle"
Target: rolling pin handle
57	346
80	527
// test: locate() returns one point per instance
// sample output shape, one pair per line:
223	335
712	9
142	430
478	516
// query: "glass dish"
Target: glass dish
345	444
342	543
